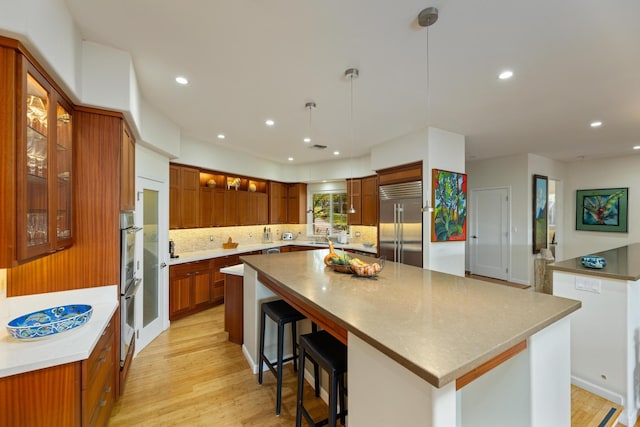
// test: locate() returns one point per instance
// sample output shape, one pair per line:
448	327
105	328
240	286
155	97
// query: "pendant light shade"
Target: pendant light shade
351	73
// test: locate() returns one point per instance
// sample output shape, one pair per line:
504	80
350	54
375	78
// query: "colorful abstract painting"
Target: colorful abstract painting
540	200
449	201
602	210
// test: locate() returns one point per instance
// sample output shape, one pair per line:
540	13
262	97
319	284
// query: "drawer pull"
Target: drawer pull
108	348
107	389
102	359
103	403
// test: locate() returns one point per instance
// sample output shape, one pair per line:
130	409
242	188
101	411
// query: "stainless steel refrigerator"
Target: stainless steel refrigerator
401	222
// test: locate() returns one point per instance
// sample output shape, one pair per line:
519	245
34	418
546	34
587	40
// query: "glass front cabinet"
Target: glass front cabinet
44	157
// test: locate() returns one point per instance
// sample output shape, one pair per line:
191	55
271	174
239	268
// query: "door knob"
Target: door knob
163	265
474	237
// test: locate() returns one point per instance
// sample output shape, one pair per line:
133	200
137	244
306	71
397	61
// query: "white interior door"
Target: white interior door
489	236
152	315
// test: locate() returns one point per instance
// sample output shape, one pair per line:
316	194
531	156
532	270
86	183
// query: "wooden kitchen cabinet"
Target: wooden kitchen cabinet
128	170
370	201
190	288
277	202
218	277
354	198
36	121
183	196
297	203
98	384
73	394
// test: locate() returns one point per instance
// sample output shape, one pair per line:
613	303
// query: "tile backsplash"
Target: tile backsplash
202	239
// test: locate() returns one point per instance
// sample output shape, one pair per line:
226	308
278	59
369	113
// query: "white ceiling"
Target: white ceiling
574	61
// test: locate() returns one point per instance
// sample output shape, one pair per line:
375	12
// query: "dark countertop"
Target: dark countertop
623	263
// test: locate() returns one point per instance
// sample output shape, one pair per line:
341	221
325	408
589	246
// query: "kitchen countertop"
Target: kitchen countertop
241	249
437	325
17	356
623	263
235	270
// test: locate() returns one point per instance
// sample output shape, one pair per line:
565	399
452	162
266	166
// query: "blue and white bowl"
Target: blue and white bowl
49	321
594	261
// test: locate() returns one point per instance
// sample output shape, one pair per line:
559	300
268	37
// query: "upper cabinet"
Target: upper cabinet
44	166
363	193
202	198
297	203
183	196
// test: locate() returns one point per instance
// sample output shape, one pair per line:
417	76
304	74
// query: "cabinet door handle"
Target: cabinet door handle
102	359
107	348
103	403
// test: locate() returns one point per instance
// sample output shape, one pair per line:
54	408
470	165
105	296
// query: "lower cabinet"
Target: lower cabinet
190	288
98	387
74	394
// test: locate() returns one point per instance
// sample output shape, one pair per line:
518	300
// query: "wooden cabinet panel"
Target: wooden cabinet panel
174	196
184	196
262	208
370	201
404	173
202	287
206	206
218	205
189	185
233	307
128	171
242	208
354	198
190	288
7	156
179	296
46	397
98	385
277	203
231	208
297	203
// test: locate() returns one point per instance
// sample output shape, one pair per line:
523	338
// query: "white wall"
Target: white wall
438	149
603	173
509	172
446	151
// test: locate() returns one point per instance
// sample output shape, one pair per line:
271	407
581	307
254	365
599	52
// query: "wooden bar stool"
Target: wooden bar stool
331	355
281	313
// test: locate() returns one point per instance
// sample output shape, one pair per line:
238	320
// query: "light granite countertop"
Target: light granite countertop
243	249
18	356
437	325
623	263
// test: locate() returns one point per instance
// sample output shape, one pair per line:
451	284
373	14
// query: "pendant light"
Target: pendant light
426	18
309	106
351	73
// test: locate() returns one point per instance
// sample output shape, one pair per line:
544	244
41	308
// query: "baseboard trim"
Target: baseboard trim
596	389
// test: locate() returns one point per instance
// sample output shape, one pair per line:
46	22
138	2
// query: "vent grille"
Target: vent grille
317	147
403	190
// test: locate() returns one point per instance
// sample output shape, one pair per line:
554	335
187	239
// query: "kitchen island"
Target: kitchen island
605	333
427	348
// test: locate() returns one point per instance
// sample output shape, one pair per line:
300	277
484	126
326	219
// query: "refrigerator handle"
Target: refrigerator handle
401	232
395	232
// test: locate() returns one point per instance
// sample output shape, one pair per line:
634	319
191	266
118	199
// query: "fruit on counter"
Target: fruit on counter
361	268
328	259
343	259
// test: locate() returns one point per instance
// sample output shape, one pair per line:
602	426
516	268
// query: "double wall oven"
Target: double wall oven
129	284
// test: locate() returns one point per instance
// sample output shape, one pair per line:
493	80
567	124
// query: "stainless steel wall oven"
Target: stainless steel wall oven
129	284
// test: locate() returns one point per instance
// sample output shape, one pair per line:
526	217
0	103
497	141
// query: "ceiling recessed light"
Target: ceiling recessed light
636	147
336	153
307	139
291	159
182	80
596	124
506	74
269	122
221	136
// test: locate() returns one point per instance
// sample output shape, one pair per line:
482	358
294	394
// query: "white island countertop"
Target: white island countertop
18	356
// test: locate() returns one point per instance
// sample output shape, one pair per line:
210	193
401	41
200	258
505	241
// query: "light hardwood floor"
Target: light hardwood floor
192	376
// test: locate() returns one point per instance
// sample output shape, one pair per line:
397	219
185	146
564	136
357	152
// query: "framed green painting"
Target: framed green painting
604	209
